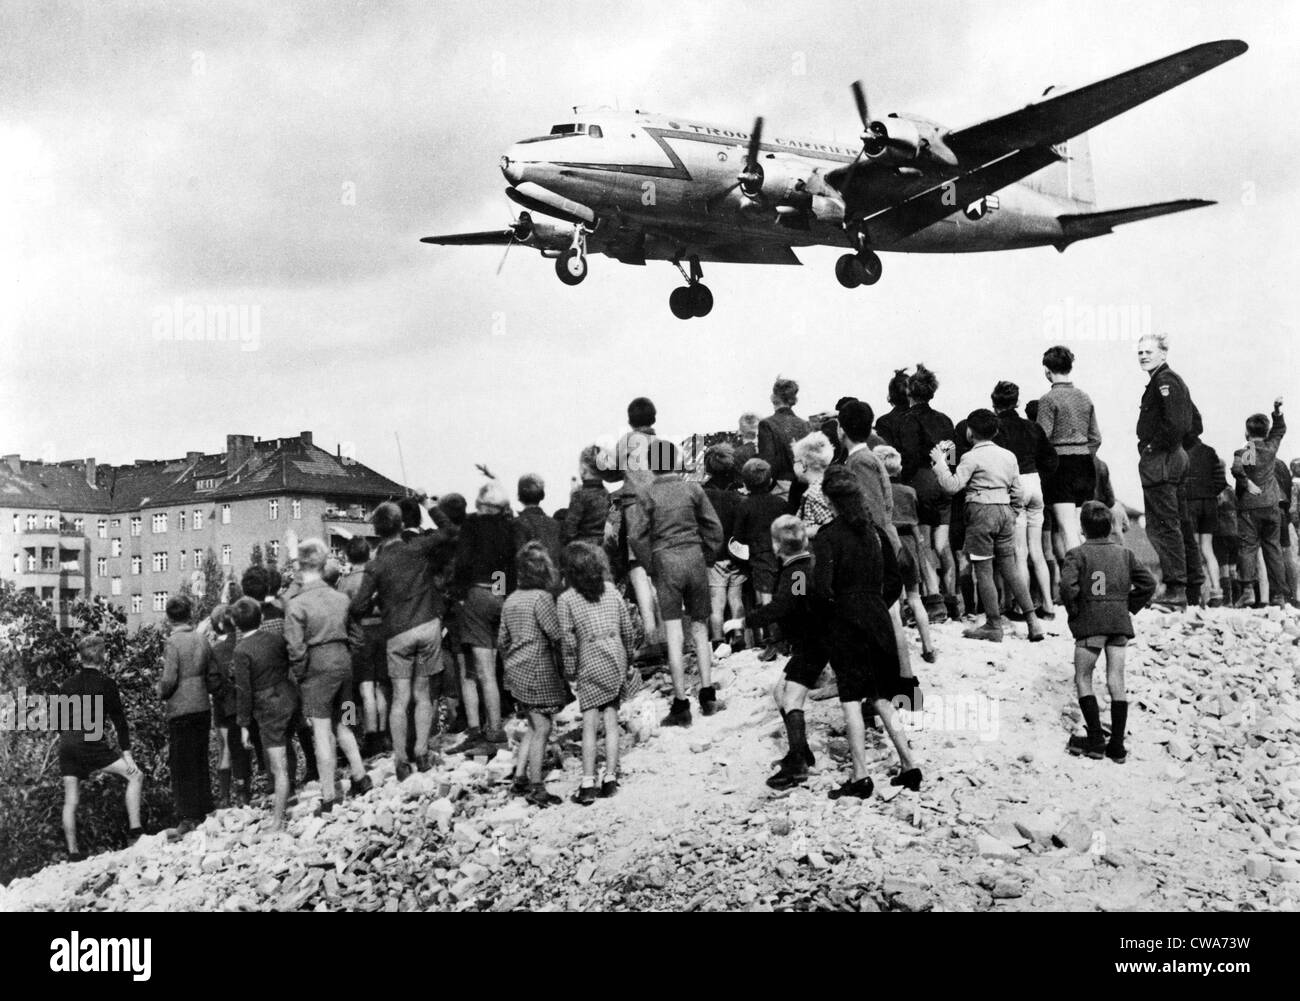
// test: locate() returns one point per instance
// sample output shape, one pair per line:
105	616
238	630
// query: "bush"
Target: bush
37	657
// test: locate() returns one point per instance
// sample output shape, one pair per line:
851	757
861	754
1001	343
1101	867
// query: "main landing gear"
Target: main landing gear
694	298
571	266
862	268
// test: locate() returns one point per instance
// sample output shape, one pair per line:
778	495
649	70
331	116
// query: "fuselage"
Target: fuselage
664	175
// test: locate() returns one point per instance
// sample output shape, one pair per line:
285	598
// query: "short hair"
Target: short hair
844	401
493	494
1258	425
331	572
641	413
358	550
586	569
720	459
90	648
896	392
756	474
531	489
179	608
255	583
219	619
1095	520
274	580
1161	340
789	534
589	461
749	423
890	458
663	456
454	507
412	513
387	519
922	384
856	419
1058	359
1031	410
246	614
312	554
815	451
533	566
1005	396
983	424
786	390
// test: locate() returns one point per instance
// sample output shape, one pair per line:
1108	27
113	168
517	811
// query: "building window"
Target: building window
116	547
117	523
160	601
225	556
198	559
136	525
79	525
18	562
47	559
198	520
180	521
296	508
182	559
31	523
137	603
18	523
31	562
51	522
225	514
117	585
273	550
101	567
159	562
137	564
159	523
273	509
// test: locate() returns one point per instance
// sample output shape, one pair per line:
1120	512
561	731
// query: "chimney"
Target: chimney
14	462
306	437
193	457
90	471
239	447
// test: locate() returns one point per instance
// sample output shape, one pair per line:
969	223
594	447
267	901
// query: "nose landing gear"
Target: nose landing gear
571	266
693	299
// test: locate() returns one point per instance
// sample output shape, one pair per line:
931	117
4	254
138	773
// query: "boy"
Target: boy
1227	544
791	608
316	636
369	658
265	695
991	478
673	530
906	522
1204	482
1258	511
190	676
1102	584
753	528
82	753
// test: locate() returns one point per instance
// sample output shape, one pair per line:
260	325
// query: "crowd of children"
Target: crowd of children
826	540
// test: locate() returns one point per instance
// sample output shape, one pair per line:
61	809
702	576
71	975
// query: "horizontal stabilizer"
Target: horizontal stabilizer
1083	225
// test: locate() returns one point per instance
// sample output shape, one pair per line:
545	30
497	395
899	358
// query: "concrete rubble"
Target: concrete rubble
1204	816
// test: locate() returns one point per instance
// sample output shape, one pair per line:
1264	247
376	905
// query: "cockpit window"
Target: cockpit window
568	129
595	132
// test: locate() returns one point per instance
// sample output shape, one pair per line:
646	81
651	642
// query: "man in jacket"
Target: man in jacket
778	433
189	677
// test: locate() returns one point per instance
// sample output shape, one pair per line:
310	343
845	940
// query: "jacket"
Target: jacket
1166	416
586	515
1027	441
877	494
776	437
189	673
1205	476
726	501
915	432
672	513
1256	463
317	615
485	551
532	523
402	573
1102	584
791	606
260	661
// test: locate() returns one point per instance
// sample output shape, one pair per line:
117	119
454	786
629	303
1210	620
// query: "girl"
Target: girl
597	640
853	568
527	638
812	456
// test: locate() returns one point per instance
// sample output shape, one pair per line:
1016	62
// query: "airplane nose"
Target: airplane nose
511	166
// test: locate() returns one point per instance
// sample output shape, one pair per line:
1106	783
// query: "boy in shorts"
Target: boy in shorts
674	530
758	510
1102	584
316	637
83	752
265	695
370	657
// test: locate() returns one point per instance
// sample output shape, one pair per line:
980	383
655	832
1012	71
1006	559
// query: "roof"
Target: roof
55	486
292	466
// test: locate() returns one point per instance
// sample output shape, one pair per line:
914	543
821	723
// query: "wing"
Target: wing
497	237
1066	115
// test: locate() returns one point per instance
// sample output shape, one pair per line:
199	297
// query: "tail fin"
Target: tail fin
1071	178
1084	225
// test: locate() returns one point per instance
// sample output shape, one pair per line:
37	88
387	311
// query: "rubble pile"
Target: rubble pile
1204	816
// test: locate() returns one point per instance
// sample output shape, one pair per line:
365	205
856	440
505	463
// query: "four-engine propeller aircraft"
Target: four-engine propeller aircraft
639	186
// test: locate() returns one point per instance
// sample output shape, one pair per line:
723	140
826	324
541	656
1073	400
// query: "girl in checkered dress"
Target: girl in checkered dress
529	638
598	644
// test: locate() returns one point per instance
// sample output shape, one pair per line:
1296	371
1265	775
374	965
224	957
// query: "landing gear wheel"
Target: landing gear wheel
870	267
680	302
848	271
700	299
571	267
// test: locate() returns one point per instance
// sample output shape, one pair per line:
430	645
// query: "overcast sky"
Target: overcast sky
288	157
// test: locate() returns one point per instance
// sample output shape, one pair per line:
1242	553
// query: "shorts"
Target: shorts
990	531
805	666
370	662
1203	513
480	617
1227	548
84	759
547	711
274	710
327	687
414	653
1032	485
723	576
1074	482
909	560
1097	642
682	581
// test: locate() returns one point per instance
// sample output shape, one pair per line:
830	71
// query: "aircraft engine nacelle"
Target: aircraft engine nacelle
895	140
543	234
828	210
785	184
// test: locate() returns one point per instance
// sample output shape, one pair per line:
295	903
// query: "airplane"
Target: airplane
638	186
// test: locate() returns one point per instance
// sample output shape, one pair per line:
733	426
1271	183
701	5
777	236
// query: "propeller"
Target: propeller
750	179
875	136
520	230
